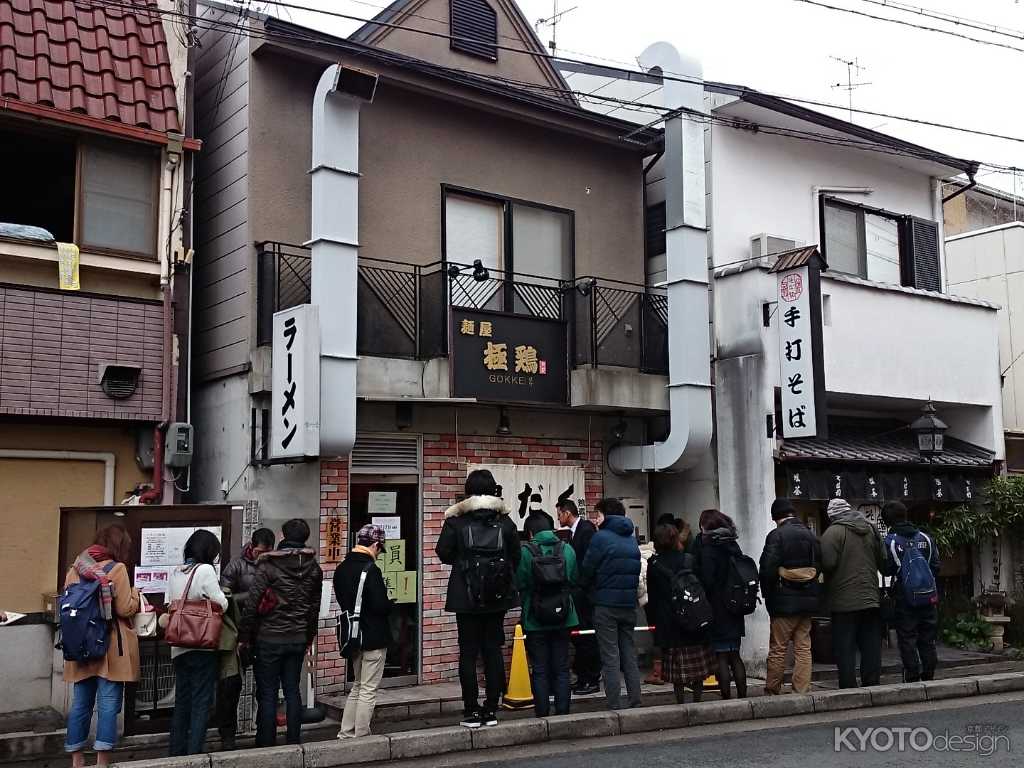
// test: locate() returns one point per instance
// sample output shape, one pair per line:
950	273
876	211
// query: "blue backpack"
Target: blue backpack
915	574
83	630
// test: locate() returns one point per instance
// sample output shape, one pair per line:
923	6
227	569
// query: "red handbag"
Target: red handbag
194	623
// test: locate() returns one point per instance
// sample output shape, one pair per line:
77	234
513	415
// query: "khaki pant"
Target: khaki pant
367	670
785	629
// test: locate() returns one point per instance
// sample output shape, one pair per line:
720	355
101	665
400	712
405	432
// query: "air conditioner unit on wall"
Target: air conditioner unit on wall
763	245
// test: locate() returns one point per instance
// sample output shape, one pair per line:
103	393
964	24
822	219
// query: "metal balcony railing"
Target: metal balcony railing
621	324
403	308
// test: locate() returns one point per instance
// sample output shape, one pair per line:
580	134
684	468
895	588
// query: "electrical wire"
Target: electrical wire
666	74
911	24
949	18
662	112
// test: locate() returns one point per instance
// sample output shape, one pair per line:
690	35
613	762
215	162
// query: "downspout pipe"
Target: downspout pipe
971	184
334	241
686	256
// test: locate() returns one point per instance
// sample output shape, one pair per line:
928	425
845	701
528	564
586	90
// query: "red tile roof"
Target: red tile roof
104	59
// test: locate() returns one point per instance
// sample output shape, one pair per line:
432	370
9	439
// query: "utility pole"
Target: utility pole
552	21
849	86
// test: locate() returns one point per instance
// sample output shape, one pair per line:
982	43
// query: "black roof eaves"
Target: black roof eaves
782	106
385	16
466	79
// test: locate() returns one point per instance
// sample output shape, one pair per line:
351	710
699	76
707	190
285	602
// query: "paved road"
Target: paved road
812	745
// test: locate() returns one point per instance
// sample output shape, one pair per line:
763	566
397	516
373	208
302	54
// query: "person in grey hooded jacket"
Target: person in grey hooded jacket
852	559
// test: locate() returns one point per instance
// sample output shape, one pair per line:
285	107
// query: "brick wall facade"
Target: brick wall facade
444	473
445	459
330	667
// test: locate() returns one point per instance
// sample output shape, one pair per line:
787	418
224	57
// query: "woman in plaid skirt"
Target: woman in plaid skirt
686	657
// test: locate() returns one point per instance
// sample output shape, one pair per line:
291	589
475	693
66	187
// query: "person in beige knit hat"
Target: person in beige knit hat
852	558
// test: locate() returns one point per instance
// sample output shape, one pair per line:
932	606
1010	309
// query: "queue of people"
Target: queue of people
582	589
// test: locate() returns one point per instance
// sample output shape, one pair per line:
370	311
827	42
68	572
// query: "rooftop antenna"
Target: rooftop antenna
850	86
552	21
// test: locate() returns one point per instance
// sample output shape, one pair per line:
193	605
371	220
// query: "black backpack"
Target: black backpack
742	585
549	602
485	564
691	610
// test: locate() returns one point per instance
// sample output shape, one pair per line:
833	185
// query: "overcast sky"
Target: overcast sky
785	47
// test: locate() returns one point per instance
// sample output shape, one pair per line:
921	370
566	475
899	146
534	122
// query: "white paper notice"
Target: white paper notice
382	502
325	599
392	526
166	546
11	617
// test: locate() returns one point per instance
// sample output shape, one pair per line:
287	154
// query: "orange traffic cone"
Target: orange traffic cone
519	693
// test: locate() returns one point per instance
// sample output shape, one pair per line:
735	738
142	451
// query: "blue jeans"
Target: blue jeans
195	680
278	665
549	662
95	693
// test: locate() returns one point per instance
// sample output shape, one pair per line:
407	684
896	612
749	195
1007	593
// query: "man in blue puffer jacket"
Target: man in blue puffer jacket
611	575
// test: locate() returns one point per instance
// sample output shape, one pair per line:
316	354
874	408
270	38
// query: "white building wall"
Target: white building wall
989	265
766	183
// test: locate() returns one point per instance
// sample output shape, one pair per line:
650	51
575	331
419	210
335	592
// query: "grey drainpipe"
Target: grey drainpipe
686	255
335	246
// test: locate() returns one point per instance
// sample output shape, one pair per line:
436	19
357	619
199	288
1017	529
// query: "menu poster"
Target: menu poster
152	580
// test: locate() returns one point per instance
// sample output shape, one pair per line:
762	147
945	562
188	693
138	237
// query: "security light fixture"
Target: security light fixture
929	431
504	427
619	430
480	273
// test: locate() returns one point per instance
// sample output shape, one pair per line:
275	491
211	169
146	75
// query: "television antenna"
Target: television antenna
850	86
552	21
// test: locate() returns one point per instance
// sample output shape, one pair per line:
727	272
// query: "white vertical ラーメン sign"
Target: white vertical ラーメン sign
796	358
295	399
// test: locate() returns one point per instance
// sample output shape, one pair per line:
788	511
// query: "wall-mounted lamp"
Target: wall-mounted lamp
504	426
479	273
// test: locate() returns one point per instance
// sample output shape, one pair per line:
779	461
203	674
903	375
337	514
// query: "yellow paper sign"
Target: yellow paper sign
391	582
406	589
392	559
67	266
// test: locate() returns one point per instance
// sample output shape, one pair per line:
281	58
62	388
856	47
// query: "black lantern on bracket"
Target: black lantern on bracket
928	430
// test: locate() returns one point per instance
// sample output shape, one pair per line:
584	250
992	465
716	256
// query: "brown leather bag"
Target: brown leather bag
194	623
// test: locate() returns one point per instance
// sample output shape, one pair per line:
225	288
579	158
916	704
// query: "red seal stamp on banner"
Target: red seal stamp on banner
791	287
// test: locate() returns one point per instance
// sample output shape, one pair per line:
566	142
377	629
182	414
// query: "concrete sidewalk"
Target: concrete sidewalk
432	742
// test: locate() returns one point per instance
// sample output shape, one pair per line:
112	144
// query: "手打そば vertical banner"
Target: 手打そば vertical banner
800	352
295	399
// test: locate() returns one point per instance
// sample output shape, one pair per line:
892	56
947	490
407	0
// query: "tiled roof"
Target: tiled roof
105	60
797	257
890	448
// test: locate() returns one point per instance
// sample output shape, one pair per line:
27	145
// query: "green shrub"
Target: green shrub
967	630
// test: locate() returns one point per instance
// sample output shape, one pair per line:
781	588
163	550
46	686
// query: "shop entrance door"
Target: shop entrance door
393	502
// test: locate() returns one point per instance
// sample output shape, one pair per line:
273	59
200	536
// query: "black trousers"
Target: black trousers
917	629
853	632
587	660
278	665
229	691
481	634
